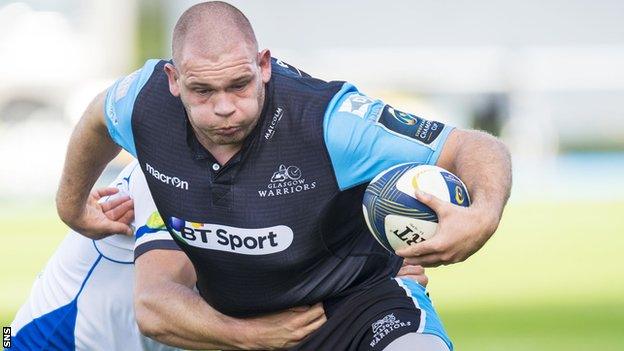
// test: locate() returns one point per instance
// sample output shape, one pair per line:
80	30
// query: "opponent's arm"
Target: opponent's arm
171	312
90	149
484	164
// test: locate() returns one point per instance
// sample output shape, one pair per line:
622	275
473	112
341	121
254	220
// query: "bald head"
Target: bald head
211	27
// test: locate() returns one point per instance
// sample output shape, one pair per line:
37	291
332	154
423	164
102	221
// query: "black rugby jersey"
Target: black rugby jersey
281	223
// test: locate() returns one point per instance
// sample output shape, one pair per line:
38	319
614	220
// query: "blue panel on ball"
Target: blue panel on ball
457	191
385	207
411	202
382	198
376	219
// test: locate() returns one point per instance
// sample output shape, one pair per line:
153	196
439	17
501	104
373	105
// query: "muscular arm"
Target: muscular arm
484	164
170	311
90	149
365	136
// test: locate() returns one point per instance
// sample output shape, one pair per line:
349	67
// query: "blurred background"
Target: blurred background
546	76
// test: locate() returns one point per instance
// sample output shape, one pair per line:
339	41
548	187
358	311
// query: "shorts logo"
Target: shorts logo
173	181
286	180
356	104
260	241
384	326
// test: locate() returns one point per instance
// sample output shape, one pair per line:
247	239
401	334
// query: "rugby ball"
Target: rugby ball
393	214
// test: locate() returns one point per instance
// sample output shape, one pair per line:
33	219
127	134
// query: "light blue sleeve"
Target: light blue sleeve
365	136
119	104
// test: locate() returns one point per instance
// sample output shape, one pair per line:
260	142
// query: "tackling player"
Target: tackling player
82	300
258	171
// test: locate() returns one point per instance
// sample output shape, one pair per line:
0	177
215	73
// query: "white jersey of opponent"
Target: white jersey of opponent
82	300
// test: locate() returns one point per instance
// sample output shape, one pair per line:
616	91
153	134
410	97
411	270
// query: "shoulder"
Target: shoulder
120	101
297	82
351	107
364	136
282	68
128	87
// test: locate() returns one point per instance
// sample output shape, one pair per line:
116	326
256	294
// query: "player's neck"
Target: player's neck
221	152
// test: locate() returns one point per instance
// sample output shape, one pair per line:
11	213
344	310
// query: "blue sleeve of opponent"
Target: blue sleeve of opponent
365	136
119	104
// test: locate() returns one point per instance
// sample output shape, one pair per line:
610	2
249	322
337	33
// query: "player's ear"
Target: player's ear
172	76
264	61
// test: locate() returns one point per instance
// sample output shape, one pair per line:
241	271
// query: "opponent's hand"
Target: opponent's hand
284	329
119	209
99	220
416	273
461	232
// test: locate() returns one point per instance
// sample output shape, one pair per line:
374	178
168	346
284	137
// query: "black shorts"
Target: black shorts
371	319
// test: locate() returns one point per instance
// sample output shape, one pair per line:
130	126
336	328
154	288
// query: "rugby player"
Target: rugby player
82	300
258	171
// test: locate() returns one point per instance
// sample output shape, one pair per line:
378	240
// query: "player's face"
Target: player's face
223	94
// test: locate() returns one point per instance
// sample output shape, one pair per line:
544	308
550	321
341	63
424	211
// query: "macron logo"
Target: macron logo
173	181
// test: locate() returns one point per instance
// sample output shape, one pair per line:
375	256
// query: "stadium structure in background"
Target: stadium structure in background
541	80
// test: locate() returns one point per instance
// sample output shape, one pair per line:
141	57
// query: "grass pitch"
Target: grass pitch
552	277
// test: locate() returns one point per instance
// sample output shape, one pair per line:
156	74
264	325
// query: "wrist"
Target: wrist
70	205
68	213
489	217
238	332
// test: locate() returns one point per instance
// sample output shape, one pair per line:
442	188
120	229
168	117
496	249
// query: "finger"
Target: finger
101	192
312	326
299	308
411	269
430	260
119	228
317	309
437	205
117	212
313	313
416	273
112	203
127	218
422	279
402	272
431	246
317	323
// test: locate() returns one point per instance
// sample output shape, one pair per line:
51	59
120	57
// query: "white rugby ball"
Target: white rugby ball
393	214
